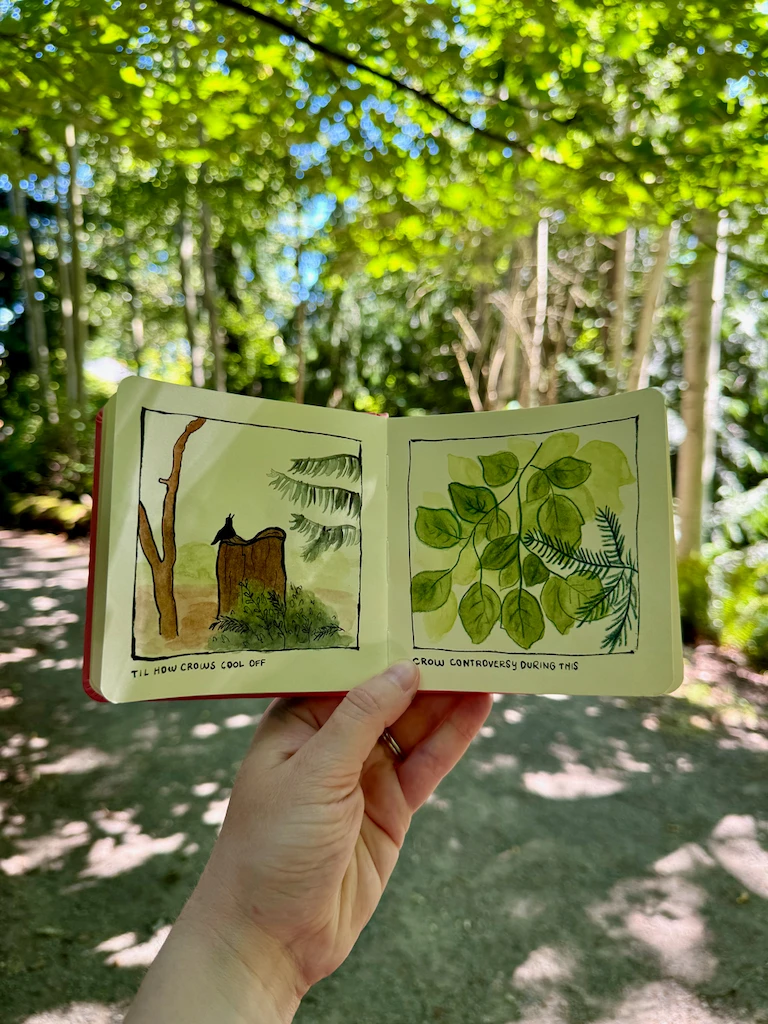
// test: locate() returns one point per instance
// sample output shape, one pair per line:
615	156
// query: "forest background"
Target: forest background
415	207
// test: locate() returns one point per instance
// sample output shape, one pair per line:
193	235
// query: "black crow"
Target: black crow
226	532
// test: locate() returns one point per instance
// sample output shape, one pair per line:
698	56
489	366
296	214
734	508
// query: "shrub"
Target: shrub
261	621
694	593
739	604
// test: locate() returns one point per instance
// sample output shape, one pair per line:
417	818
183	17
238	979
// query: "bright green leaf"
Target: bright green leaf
500	552
610	471
465	471
437	527
556	446
538	486
479	610
556	600
471	503
430	590
498	524
568	472
440	622
522	619
534	570
499	469
559	517
510	575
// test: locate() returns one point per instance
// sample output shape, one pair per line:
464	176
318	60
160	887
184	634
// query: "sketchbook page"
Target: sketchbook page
530	550
277	517
678	663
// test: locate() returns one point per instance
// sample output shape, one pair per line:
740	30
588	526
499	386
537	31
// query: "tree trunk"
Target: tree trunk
196	349
689	489
300	331
34	319
651	301
137	320
73	368
712	404
77	277
625	245
209	300
509	340
259	561
162	567
537	341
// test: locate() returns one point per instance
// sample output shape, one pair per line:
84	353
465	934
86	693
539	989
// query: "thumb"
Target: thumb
351	732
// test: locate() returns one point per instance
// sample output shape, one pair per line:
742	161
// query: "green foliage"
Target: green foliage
738	582
323	538
328	465
693	589
528	547
262	622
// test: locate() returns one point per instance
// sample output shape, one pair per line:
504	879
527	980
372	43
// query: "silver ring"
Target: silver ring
389	741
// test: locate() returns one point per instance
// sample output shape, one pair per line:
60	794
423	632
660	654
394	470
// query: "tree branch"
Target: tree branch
466	373
147	541
289	28
168	522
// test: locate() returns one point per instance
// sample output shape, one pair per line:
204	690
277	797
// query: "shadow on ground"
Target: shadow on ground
591	860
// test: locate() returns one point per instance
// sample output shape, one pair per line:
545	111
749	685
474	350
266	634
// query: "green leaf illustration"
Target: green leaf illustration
471	503
464	471
479	610
437	527
582	499
559	517
510	575
499	469
498	524
610	471
530	516
534	570
538	486
522	619
585	588
467	567
556	602
440	622
430	590
568	472
500	553
557	446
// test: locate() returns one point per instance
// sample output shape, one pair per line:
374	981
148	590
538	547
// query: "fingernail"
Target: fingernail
405	673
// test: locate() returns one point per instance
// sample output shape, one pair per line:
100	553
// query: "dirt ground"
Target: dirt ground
590	860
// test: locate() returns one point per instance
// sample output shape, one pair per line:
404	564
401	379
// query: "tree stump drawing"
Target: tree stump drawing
162	567
259	561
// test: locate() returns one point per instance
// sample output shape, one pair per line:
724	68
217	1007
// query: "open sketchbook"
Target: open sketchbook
243	546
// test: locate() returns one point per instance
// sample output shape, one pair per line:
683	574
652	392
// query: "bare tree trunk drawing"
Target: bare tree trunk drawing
162	567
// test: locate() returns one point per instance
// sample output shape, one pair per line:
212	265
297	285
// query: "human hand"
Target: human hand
317	816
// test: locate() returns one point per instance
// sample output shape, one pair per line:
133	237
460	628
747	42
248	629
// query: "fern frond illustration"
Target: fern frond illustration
327	498
610	531
566	556
618	629
227	622
329	465
603	603
322	538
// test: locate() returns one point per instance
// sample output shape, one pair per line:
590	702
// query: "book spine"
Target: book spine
87	645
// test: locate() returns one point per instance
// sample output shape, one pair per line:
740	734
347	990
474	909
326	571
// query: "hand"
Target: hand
316	820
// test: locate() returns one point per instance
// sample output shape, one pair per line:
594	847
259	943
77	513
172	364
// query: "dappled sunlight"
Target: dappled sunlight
17	654
735	846
79	762
552	1009
8	699
544	968
216	811
525	907
512	716
203	730
62	665
125	951
499	762
438	802
47	851
60	617
78	1013
663	915
109	857
241	721
686	860
205	788
575	782
625	760
665	1002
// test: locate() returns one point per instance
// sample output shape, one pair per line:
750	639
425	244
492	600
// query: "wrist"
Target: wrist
246	960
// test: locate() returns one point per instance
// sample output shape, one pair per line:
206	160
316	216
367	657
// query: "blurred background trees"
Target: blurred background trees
410	208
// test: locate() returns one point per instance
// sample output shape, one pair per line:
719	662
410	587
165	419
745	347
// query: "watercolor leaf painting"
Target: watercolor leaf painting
515	559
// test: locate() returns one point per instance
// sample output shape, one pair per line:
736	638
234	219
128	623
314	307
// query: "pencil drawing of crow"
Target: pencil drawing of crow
226	532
